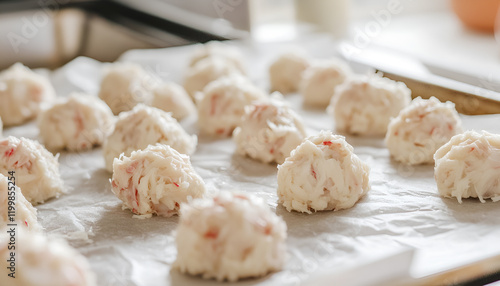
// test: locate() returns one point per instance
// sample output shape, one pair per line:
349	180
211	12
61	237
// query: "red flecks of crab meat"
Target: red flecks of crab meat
472	149
432	130
26	223
177	205
36	92
450	126
177	185
27	165
331	145
268	229
9	152
272	150
211	234
79	124
313	172
130	169
396	133
241	197
134	210
83	145
137	197
220	131
219	202
213	104
113	184
259	109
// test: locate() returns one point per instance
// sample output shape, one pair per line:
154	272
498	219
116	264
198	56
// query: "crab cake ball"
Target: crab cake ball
77	123
42	261
319	81
420	129
36	169
155	180
468	166
143	126
322	173
206	71
25	213
269	131
364	105
124	85
285	73
171	97
22	92
230	237
223	102
220	50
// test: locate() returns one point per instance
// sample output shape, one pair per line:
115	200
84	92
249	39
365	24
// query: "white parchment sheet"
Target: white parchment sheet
402	209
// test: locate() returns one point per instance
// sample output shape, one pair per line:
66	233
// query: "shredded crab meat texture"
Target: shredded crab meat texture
365	104
37	170
231	236
155	181
45	262
223	102
76	123
144	126
322	173
269	132
469	166
25	214
420	129
22	93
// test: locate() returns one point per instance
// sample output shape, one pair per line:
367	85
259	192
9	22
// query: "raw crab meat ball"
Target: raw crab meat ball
206	71
223	102
22	94
171	97
364	105
155	180
468	166
124	85
269	131
221	50
44	262
229	237
24	214
77	123
143	126
322	173
420	129
36	169
285	73
320	80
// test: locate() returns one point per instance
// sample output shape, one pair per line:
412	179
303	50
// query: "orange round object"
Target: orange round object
477	14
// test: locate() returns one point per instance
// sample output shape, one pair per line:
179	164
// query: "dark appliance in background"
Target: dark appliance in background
49	33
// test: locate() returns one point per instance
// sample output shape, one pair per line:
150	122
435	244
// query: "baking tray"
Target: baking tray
401	211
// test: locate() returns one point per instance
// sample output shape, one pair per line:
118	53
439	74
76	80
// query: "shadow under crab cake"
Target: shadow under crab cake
181	279
251	167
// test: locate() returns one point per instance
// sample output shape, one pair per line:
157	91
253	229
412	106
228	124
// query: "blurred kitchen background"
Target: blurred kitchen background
49	33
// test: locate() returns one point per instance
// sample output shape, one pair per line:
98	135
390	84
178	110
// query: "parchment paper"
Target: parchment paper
402	209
